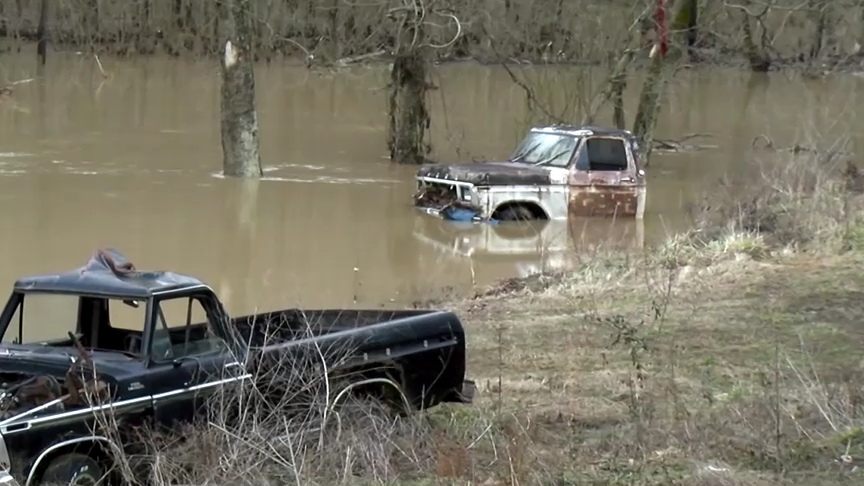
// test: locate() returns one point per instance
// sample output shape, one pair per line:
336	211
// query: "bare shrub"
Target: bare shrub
784	30
796	198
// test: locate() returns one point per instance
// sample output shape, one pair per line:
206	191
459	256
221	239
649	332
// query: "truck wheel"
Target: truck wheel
72	470
515	213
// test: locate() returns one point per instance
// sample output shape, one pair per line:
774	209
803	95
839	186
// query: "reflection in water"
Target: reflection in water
240	231
128	162
526	248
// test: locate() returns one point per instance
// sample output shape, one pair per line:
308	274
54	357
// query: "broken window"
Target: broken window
182	329
540	148
603	154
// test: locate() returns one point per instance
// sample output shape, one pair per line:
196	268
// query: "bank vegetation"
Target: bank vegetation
729	355
727	31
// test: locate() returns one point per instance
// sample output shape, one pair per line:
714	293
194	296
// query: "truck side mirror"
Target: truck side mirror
640	173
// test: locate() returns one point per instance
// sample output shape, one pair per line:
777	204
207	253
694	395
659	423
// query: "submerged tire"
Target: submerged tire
72	470
515	213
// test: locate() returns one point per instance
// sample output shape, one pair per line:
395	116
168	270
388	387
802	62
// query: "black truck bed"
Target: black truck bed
291	324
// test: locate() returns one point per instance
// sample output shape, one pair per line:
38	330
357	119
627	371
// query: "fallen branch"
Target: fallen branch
101	69
7	90
798	149
679	145
362	57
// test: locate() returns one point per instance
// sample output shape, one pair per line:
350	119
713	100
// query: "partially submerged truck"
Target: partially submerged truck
556	173
52	391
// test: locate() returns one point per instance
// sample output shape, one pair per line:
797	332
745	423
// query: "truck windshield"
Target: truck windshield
49	317
546	148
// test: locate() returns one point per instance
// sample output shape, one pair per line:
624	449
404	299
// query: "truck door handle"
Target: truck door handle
627	179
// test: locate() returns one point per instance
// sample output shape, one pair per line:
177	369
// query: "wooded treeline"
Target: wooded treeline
551	30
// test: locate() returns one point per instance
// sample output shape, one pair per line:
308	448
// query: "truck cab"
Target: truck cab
152	341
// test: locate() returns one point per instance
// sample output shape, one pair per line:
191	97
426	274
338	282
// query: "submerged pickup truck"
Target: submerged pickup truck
159	371
556	173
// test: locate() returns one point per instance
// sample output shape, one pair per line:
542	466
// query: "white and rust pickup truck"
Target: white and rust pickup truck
556	173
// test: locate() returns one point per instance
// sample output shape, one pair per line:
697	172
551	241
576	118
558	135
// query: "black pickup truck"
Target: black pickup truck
159	372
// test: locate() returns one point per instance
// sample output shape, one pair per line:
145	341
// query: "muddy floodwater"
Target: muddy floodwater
131	161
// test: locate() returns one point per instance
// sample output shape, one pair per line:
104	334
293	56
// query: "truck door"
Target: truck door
189	365
605	181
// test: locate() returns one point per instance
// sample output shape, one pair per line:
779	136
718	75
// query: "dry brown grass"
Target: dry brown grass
647	376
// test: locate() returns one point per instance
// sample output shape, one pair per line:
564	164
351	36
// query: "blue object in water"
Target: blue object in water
464	215
458	214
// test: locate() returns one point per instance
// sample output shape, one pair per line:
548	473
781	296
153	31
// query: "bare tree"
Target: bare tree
661	69
42	33
407	112
239	118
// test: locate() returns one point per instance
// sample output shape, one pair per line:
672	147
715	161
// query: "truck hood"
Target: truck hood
489	173
56	361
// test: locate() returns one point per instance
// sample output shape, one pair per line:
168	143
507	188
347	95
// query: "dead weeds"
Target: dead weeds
747	375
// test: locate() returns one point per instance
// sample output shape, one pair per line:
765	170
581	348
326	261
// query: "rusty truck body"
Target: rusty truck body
556	173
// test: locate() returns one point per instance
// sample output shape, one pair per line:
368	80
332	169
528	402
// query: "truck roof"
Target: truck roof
583	130
108	274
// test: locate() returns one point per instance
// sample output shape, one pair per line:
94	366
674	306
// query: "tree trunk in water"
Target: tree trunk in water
618	83
239	118
92	22
860	42
178	15
692	29
649	107
759	61
42	33
409	118
618	103
19	15
655	82
333	27
821	20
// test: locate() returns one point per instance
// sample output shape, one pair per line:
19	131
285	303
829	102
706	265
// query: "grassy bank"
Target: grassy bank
727	356
575	30
741	372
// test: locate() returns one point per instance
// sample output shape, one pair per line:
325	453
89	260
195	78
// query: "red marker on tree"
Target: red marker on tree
662	28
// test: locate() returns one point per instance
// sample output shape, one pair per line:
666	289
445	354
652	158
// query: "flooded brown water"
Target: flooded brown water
131	162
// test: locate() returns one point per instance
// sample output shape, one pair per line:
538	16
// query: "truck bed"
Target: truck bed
292	324
425	350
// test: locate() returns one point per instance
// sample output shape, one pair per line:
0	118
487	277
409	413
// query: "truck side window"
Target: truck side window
182	329
607	154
